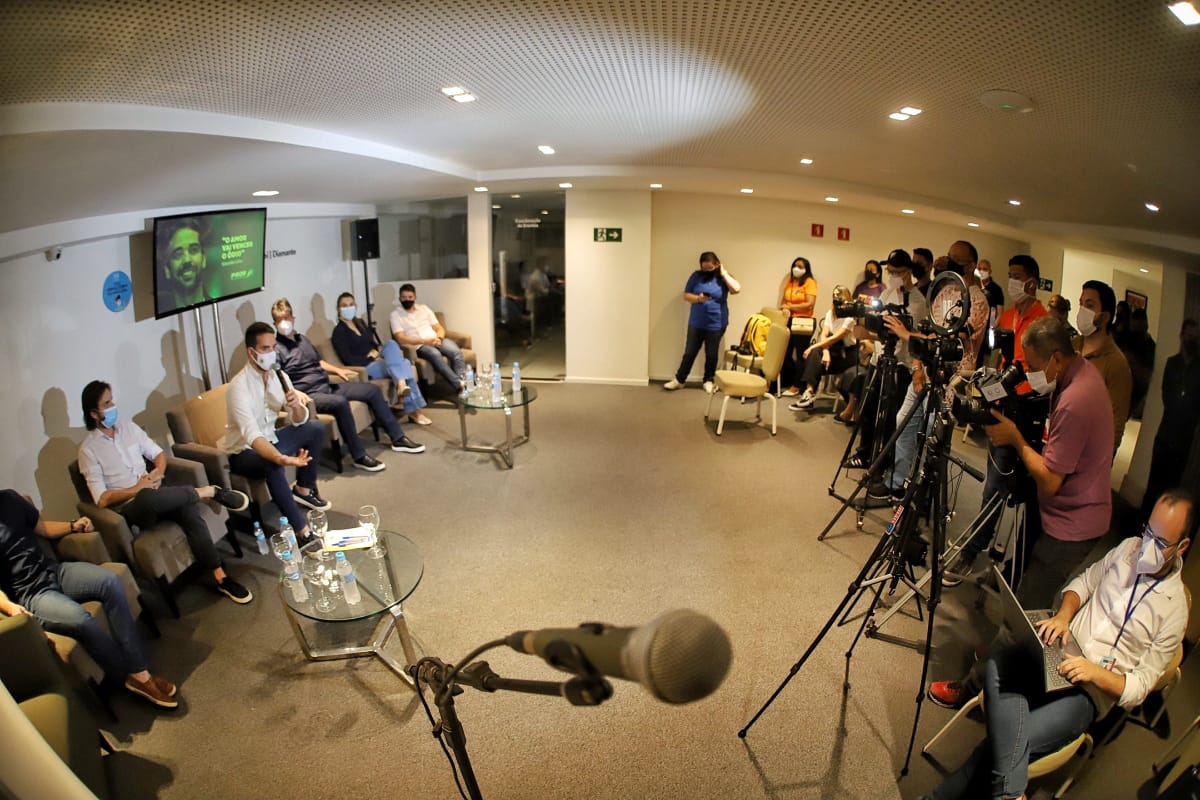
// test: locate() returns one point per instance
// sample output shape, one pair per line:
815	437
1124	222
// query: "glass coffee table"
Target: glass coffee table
384	583
482	401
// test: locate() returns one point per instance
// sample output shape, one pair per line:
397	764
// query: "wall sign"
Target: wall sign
117	291
1045	284
843	234
606	234
818	231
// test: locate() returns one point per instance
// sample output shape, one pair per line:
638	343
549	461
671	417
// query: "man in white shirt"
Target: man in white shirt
416	324
1127	613
259	450
112	459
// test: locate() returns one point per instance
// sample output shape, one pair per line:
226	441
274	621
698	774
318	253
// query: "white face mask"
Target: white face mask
797	272
266	361
284	326
1085	321
1038	382
893	282
983	274
1150	558
1016	290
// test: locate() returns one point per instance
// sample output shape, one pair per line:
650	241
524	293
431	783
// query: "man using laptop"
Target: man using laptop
1127	613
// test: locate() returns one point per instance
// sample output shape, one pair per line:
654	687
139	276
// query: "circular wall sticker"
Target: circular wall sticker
117	291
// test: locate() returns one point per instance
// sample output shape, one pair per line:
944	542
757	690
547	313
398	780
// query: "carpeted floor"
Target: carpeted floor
623	505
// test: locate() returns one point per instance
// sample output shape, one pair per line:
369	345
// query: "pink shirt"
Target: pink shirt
1079	445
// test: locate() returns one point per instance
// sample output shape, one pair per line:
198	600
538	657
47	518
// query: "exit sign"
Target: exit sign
606	234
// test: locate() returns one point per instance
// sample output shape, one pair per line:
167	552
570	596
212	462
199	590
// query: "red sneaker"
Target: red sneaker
949	694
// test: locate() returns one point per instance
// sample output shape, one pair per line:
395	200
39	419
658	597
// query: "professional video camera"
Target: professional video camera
937	352
997	389
872	312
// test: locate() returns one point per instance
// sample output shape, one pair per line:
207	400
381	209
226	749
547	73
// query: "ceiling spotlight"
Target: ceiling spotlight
273	192
463	98
912	112
565	185
546	149
831	199
544	212
747	191
1186	13
496	206
1143	270
972	224
896	115
1149	206
1014	202
656	186
481	188
452	91
806	161
907	211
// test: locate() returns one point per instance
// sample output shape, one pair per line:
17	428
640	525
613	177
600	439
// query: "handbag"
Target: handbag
803	326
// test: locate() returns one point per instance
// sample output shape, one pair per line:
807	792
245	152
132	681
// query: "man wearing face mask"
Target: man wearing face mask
922	259
1097	305
415	324
1177	428
1023	275
995	295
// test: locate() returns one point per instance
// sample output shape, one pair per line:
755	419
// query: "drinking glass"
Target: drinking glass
318	525
280	546
368	517
314	570
329	573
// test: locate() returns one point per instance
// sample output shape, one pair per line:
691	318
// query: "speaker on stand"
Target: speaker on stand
364	244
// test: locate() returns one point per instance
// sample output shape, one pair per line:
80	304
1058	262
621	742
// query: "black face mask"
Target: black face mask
408	304
1191	346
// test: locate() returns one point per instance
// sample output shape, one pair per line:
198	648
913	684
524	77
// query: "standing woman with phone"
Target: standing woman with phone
707	291
799	301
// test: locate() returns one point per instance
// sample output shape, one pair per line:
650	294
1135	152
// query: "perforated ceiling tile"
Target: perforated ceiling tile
748	84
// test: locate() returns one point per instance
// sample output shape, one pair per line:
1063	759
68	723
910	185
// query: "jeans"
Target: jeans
446	358
118	654
179	504
337	402
400	370
712	346
906	443
1022	722
249	464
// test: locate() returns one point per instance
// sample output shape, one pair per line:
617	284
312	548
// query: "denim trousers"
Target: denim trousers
336	401
906	443
179	504
400	370
691	348
446	358
1023	722
118	654
249	464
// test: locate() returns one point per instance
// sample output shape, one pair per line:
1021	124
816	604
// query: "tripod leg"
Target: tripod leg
868	385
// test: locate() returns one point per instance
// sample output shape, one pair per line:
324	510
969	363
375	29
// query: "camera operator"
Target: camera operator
900	291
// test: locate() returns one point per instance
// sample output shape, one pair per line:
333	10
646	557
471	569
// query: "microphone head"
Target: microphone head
680	656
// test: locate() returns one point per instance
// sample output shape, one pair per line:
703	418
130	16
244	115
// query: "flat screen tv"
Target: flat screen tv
206	257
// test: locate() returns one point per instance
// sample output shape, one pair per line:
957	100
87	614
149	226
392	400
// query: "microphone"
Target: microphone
279	375
679	656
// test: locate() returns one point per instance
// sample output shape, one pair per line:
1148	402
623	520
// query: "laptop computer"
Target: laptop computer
1020	624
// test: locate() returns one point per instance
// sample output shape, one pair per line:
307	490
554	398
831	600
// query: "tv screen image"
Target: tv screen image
206	257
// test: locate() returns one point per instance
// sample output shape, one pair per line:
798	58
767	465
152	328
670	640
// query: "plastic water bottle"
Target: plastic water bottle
496	392
286	530
260	539
516	379
291	567
349	584
470	379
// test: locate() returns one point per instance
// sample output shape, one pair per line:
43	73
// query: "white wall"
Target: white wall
757	239
607	298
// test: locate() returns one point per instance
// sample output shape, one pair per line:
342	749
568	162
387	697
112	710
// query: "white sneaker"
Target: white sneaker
672	385
709	388
805	401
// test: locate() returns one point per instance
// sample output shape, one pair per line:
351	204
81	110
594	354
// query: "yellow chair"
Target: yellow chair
747	385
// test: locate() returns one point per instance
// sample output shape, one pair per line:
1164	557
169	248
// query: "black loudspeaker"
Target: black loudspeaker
364	239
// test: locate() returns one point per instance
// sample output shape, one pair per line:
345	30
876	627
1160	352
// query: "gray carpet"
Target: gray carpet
623	505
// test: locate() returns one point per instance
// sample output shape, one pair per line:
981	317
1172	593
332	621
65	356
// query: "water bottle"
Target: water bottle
516	379
260	539
286	530
470	379
496	393
349	584
291	568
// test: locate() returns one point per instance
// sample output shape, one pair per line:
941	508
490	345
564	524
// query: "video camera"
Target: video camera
997	389
871	312
936	353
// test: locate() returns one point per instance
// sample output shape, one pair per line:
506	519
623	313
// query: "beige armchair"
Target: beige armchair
423	369
159	553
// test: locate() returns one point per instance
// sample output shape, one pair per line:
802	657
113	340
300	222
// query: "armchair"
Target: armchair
424	370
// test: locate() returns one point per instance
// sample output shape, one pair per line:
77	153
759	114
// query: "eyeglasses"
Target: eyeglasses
1159	542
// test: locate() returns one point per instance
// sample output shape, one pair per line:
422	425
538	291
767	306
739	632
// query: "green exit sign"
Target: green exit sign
606	234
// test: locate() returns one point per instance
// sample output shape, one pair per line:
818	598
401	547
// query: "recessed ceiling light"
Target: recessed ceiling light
972	224
451	91
898	116
656	186
806	161
481	188
907	211
545	211
1186	13
463	98
565	185
747	191
515	196
1143	270
273	192
1014	202
831	199
546	149
912	112
495	205
1149	207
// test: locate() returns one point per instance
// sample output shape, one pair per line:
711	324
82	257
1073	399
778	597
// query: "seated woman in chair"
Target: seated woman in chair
827	355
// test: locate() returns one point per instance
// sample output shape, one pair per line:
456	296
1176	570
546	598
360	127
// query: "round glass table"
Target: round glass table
481	400
384	583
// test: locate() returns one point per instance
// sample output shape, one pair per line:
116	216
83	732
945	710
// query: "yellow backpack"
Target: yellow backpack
754	335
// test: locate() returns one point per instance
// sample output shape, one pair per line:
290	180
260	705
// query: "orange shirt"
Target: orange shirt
796	293
1017	323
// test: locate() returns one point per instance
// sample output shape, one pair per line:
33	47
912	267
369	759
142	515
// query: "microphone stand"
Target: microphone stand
587	688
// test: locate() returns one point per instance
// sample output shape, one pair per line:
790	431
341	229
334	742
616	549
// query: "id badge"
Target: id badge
1108	662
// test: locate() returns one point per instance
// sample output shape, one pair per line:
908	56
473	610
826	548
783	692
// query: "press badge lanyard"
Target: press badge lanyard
1130	607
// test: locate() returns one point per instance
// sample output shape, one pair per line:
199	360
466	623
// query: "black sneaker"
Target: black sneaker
234	591
855	462
311	500
407	445
878	490
231	498
369	464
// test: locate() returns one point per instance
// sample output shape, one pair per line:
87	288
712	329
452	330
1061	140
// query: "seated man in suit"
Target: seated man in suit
416	324
310	374
30	583
1127	613
112	459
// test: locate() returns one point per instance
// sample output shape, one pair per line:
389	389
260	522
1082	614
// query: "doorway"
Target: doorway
529	282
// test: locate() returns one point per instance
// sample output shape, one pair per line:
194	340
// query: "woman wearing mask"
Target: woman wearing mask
707	292
357	346
871	285
799	300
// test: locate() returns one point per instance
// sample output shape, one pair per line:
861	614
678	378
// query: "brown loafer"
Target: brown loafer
151	690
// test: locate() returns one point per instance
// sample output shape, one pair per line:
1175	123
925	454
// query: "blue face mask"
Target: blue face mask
348	312
110	416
